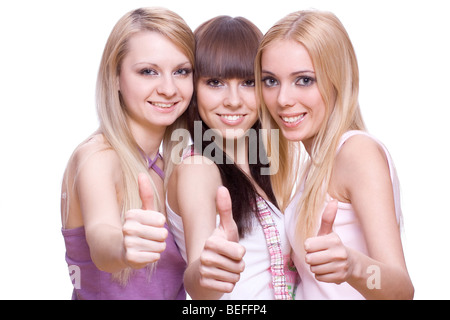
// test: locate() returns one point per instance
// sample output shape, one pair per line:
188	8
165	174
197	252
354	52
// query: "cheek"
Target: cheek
201	102
318	104
269	97
252	102
202	105
186	87
129	88
270	103
207	100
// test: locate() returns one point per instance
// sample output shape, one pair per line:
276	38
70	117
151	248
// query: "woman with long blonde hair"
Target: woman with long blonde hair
309	85
117	243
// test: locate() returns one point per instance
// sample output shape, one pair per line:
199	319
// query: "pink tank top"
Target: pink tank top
347	226
90	283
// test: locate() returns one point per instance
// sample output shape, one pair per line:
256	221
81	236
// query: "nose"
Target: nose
285	96
167	86
233	97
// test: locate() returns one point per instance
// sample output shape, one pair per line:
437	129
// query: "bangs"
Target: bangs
226	49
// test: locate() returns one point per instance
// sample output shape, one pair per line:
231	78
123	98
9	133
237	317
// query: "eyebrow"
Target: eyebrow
157	66
292	73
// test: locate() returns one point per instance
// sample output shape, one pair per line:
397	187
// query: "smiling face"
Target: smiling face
290	91
155	80
227	105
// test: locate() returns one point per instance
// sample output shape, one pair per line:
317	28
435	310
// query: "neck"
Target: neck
308	144
237	150
149	139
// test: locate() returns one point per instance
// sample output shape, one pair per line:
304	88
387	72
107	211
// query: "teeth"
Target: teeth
162	105
293	119
232	117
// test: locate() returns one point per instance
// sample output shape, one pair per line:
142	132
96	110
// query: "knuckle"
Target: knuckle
160	247
131	258
205	282
129	242
204	274
205	259
155	256
241	251
241	267
228	287
210	243
335	240
127	229
130	215
342	254
164	234
159	219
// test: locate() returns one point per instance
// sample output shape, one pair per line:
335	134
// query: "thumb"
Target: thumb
224	206
145	191
328	216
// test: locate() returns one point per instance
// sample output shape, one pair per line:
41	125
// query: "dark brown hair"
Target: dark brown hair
225	49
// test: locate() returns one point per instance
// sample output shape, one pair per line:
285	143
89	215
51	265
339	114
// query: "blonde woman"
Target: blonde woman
117	243
309	86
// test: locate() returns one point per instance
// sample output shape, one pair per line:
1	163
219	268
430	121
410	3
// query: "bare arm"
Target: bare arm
214	257
96	185
113	245
362	172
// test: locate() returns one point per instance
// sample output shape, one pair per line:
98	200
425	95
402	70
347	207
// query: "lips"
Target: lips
163	106
232	119
292	120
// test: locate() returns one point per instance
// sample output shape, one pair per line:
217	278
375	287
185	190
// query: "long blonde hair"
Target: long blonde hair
111	109
336	69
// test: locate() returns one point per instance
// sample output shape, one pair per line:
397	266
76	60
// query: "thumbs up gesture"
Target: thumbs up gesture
221	260
326	255
144	234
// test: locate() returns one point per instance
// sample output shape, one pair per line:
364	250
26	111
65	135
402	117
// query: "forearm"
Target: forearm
106	247
376	280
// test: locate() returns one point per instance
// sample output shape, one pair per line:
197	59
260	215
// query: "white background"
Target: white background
49	57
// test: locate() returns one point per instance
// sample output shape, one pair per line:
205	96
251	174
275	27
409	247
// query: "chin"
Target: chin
293	136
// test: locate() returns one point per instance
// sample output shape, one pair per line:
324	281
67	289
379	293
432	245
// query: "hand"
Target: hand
144	234
327	256
221	260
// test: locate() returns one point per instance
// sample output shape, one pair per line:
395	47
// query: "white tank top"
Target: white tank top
256	280
347	226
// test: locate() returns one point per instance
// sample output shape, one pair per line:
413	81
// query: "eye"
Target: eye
269	82
148	72
215	83
248	83
183	71
305	81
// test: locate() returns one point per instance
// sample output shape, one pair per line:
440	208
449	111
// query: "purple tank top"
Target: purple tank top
90	283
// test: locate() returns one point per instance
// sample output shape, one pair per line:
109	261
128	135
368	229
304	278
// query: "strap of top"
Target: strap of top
190	152
274	245
152	163
348	135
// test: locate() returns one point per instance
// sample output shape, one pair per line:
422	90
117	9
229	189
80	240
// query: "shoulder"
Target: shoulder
95	157
194	180
198	166
361	161
359	148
